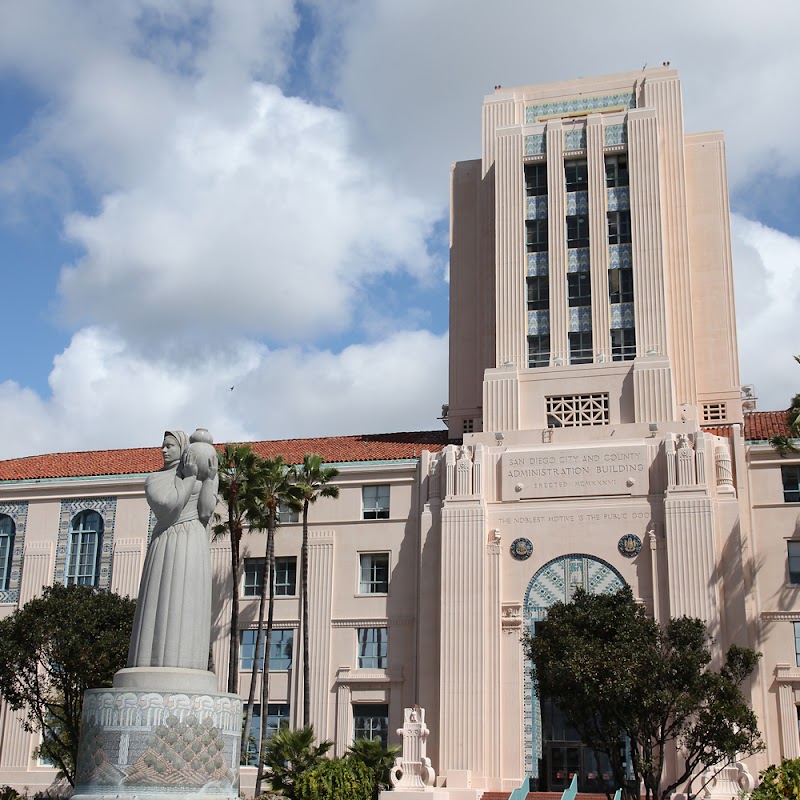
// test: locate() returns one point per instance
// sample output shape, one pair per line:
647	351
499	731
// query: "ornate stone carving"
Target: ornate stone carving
722	465
464	472
685	462
413	771
512	618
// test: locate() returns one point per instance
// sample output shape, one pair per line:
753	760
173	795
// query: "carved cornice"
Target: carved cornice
788	616
380	622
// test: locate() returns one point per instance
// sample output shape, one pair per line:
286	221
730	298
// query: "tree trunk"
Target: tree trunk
304	608
233	652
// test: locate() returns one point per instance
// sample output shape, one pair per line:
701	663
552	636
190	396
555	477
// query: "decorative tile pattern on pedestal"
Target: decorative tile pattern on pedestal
19	516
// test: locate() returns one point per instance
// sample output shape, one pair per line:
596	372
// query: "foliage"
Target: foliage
616	673
377	759
47	665
779	782
312	480
345	778
784	445
290	753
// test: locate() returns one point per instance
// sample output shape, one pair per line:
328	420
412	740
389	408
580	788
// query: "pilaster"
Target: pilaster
37	570
787	710
220	644
598	237
557	240
320	576
501	399
496	726
127	566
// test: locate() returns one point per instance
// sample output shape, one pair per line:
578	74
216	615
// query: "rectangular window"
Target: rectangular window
619	227
576	410
538	293
535	180
287	514
580	347
623	344
579	290
578	230
372	648
371	722
797	643
280	651
375	502
791	484
7	531
536	235
277	719
794	561
617	170
576	174
539	350
285	576
620	285
374	573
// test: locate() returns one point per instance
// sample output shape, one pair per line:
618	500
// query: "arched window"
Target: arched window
7	532
85	546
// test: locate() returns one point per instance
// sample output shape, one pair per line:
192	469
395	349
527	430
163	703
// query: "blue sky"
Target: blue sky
197	195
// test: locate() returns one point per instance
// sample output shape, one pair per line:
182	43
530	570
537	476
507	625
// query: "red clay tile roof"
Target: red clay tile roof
333	449
761	425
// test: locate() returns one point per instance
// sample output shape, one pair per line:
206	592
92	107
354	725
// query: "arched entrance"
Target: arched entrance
556	582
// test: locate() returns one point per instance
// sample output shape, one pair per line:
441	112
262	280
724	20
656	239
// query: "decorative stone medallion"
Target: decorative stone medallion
629	545
521	549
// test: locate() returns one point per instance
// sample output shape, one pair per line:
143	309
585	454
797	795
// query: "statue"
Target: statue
172	627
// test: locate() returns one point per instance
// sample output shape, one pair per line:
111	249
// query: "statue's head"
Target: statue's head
175	442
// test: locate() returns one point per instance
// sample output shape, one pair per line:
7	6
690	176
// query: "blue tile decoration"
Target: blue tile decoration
607	102
615	134
577	203
620	256
580	319
629	545
521	549
536	207
578	259
538	322
536	144
19	516
555	582
618	198
575	138
106	507
622	316
537	264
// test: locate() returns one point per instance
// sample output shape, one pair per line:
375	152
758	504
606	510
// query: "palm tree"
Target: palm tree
784	445
288	755
240	488
313	480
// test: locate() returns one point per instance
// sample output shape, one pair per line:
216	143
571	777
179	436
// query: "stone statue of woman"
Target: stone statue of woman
172	627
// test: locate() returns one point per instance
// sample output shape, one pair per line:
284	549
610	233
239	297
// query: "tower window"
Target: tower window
579	289
580	347
538	293
536	235
578	230
619	227
620	285
539	350
617	170
623	344
576	174
535	180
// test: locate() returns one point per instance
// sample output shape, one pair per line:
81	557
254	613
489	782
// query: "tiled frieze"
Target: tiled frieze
580	319
537	264
578	259
575	138
106	507
535	145
620	256
618	198
19	516
562	108
538	322
577	203
536	207
622	315
615	135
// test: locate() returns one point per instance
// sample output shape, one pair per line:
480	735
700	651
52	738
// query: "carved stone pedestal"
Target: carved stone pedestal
156	744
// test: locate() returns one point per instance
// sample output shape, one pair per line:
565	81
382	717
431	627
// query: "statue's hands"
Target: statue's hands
189	465
212	468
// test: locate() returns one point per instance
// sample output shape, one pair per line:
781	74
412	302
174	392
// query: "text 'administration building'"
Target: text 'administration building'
596	438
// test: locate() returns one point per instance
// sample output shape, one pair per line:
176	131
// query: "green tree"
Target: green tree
46	666
378	759
784	445
290	753
239	487
313	480
779	782
345	778
616	673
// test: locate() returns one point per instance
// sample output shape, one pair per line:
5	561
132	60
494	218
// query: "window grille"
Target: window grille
714	412
468	426
577	410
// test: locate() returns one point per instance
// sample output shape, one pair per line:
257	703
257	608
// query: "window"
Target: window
85	546
285	576
535	180
277	720
579	291
539	350
580	347
536	235
371	722
375	502
538	293
372	648
623	344
578	230
794	561
575	410
374	577
286	514
576	174
619	227
714	412
797	643
620	285
7	533
617	170
791	484
280	651
468	425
